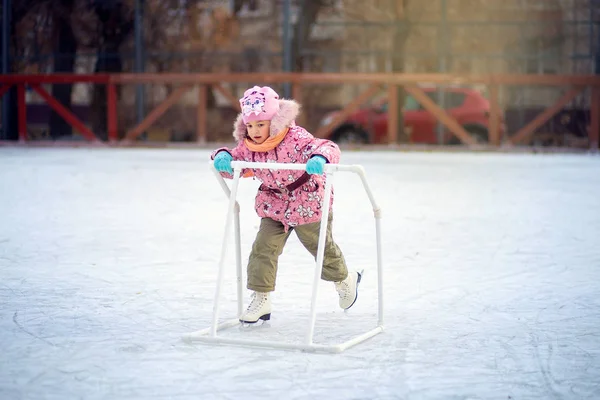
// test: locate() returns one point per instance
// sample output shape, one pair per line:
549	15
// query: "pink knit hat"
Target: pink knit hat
259	104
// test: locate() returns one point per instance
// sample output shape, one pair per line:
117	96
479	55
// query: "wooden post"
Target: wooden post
494	133
111	112
595	118
392	114
22	112
201	113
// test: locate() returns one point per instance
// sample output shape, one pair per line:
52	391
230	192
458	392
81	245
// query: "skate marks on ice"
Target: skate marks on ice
298	374
574	347
491	339
23	329
489	294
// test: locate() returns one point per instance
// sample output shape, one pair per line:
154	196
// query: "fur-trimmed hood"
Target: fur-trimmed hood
285	117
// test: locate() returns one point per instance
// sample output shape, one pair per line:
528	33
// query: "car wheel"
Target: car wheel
350	135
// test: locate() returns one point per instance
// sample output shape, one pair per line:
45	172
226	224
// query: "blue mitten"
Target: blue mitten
315	165
222	162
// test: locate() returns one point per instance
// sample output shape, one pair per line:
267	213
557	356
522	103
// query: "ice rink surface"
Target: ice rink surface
492	280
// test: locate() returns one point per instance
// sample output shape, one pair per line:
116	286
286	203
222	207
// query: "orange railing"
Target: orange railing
35	82
575	84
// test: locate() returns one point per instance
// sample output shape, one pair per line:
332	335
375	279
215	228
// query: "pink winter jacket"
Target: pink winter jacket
291	197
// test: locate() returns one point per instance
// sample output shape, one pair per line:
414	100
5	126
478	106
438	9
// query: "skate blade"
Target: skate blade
265	317
264	323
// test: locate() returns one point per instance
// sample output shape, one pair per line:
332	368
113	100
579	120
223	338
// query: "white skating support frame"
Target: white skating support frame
210	334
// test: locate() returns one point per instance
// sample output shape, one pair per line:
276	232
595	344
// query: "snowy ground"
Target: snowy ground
492	280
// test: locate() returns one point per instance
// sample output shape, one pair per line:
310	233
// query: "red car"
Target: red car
369	125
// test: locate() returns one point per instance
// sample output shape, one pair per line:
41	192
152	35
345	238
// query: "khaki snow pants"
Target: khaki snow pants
268	246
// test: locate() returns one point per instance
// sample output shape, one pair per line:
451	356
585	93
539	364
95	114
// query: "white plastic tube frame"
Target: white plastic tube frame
210	334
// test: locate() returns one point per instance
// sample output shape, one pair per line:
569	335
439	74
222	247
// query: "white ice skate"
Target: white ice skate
259	308
348	289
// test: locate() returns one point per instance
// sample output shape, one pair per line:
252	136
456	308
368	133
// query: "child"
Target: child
287	199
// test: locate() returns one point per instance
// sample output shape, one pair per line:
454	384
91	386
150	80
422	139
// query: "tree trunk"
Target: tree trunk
115	26
401	31
307	15
64	61
10	131
19	10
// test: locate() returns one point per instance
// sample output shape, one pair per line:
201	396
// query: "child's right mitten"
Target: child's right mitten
222	162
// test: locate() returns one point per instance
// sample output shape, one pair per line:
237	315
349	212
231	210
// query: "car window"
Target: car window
454	99
411	104
451	99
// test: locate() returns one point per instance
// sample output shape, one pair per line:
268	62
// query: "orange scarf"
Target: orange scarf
267	145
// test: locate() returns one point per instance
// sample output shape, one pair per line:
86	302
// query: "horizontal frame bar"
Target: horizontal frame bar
202	336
